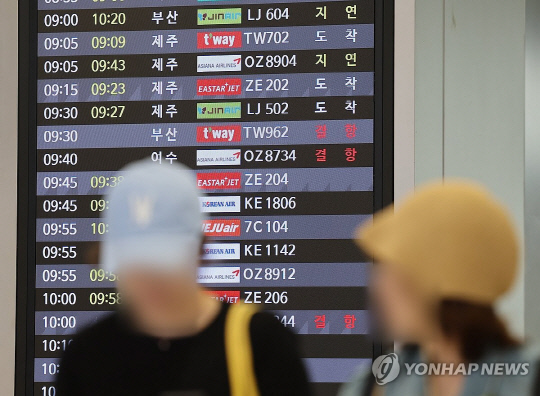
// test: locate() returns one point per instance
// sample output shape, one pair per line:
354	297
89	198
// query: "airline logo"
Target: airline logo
219	110
219	16
219	157
219	134
216	40
223	86
219	275
222	228
227	296
216	204
219	181
219	63
221	251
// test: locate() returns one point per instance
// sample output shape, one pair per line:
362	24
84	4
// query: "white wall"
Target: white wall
470	103
532	170
8	189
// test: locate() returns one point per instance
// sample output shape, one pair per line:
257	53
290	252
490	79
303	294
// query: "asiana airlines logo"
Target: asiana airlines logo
219	63
219	110
218	275
219	157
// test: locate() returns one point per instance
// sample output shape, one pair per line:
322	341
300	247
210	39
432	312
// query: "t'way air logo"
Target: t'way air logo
214	40
212	134
219	110
219	16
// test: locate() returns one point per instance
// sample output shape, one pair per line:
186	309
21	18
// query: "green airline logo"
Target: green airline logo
219	110
219	16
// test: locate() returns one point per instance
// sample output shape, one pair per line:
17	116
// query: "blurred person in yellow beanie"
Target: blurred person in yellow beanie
443	258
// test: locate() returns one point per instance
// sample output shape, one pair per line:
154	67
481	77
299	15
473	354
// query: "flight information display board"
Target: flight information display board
277	106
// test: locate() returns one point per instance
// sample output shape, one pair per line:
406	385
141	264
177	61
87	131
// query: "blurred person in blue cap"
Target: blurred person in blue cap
444	257
168	337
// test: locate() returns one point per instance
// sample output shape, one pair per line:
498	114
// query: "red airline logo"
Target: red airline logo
218	134
228	296
223	86
222	228
219	181
219	40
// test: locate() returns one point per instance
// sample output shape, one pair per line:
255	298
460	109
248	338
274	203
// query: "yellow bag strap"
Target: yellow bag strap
238	350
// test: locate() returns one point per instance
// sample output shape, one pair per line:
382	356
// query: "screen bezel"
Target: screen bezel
383	182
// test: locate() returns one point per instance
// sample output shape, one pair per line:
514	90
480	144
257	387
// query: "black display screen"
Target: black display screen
283	109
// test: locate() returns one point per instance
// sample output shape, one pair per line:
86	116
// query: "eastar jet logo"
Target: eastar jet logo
219	16
218	134
222	228
219	110
224	86
219	157
221	251
219	181
227	296
215	204
219	275
219	63
215	40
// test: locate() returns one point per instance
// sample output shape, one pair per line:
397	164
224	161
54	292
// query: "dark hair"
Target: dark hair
476	327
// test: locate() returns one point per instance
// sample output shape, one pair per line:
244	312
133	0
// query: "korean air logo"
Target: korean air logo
385	368
221	251
222	204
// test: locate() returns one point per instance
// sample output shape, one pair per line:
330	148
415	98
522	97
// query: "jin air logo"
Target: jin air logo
219	16
219	110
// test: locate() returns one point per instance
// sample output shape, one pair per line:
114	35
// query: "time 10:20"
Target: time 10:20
111	18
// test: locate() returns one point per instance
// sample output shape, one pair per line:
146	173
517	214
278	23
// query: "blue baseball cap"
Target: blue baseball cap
154	220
